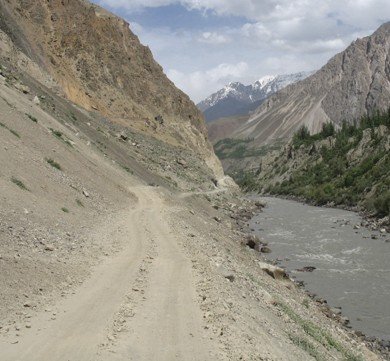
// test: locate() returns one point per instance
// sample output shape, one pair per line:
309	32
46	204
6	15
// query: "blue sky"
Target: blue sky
204	44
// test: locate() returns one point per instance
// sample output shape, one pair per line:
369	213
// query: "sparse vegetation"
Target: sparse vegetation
56	133
19	183
329	175
32	118
317	333
65	210
14	132
79	203
61	136
53	164
307	346
127	169
241	148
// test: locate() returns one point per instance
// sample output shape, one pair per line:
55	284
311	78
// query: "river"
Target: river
352	269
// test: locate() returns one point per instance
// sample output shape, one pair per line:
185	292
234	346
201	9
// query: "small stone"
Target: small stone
49	247
182	162
85	193
28	325
265	249
36	100
382	230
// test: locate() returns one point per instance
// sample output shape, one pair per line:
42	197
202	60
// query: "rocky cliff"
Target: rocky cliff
348	167
352	84
99	64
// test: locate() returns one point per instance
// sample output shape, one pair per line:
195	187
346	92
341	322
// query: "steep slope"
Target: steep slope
349	167
224	127
237	99
100	65
353	83
116	245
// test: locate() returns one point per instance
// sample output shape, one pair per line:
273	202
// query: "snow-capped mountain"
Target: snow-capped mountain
239	99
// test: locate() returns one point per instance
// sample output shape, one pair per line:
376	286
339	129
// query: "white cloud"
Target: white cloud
351	12
280	36
213	38
199	83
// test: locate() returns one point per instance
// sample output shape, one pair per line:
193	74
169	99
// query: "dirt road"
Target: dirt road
139	304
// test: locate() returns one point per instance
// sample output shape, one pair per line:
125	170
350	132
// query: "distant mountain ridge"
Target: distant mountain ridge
239	99
354	83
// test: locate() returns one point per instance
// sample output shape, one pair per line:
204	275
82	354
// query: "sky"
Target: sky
204	44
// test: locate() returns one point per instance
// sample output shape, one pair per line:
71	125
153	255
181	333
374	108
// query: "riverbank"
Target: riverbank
370	220
344	266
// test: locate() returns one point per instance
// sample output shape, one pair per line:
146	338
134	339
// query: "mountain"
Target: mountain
100	65
238	99
349	167
354	83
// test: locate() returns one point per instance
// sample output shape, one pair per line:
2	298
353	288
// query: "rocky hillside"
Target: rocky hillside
100	65
354	83
237	99
348	167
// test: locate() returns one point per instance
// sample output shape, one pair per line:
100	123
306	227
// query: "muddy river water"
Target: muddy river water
352	269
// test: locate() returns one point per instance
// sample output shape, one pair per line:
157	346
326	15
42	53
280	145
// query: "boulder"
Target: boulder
274	271
306	269
265	249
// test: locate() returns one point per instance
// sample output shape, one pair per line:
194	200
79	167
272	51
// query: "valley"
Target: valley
121	235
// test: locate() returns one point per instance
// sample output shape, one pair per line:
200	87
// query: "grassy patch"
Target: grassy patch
318	333
56	133
127	169
32	118
241	148
307	346
79	203
73	117
19	183
53	164
65	210
14	132
61	136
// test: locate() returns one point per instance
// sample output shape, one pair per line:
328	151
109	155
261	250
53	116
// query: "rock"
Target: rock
307	269
123	136
252	242
23	88
374	236
85	193
265	249
335	311
49	247
274	271
217	219
226	273
159	119
182	162
260	204
356	226
382	230
36	100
